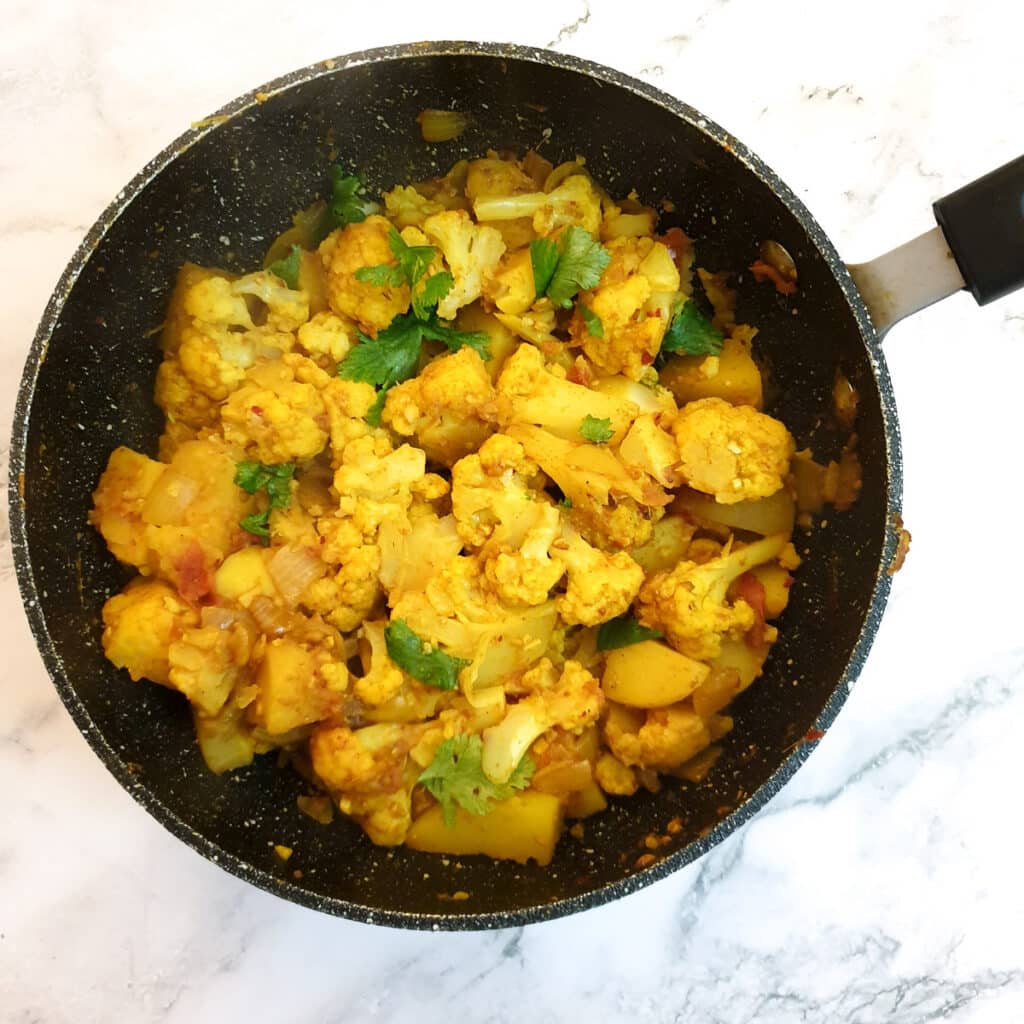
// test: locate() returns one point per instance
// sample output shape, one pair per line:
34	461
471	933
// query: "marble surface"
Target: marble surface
884	884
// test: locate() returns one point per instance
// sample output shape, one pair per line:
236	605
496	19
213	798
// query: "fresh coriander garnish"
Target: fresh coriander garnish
690	333
594	326
623	632
287	268
595	430
433	667
253	477
562	269
456	777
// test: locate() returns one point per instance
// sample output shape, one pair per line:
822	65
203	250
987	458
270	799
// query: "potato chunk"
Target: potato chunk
651	675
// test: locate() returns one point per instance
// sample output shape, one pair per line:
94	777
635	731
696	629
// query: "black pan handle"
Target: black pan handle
984	225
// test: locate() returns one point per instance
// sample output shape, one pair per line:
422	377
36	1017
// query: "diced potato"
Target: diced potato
721	685
176	319
118	502
732	375
524	827
224	740
697	768
564	778
670	538
585	802
244	576
776	582
719	725
202	668
747	661
140	624
501	341
313	281
291	691
774	514
651	675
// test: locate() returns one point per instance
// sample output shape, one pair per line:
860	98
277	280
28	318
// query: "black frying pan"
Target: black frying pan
216	196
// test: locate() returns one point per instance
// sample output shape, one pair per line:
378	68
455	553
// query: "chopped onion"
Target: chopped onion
270	617
220	618
293	569
441	125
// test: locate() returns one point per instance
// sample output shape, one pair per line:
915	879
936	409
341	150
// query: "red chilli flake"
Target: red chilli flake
813	735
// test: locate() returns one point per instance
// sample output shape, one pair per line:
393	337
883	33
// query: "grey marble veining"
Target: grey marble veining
884	884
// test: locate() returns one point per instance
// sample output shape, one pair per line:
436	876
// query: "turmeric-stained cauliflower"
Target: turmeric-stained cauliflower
668	737
731	451
471	251
275	416
349	249
450	408
633	301
689	603
602	584
433	519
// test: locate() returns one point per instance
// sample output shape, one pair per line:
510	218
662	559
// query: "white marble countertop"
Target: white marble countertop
884	884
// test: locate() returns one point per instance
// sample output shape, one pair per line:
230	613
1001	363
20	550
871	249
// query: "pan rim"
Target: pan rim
264	879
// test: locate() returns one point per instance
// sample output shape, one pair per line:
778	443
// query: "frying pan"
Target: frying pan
219	193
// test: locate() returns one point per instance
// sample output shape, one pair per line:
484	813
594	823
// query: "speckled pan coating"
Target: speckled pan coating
217	195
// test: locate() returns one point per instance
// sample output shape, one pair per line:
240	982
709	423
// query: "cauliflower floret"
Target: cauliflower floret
405	207
634	301
328	335
472	251
530	393
449	407
344	252
689	603
571	703
366	770
601	585
347	403
139	626
275	416
347	594
667	738
574	202
733	452
524	574
180	400
374	482
383	678
492	487
614	777
215	359
286	309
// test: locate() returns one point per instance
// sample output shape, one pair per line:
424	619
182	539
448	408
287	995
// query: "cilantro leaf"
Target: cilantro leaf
456	777
622	632
435	668
278	490
596	431
392	356
373	414
478	341
287	268
581	262
389	358
435	288
566	503
592	320
345	205
691	333
543	259
250	476
413	260
381	274
257	523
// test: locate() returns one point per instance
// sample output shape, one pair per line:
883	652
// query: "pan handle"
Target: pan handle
979	245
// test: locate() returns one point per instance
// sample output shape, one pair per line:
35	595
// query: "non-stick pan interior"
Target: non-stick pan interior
220	201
